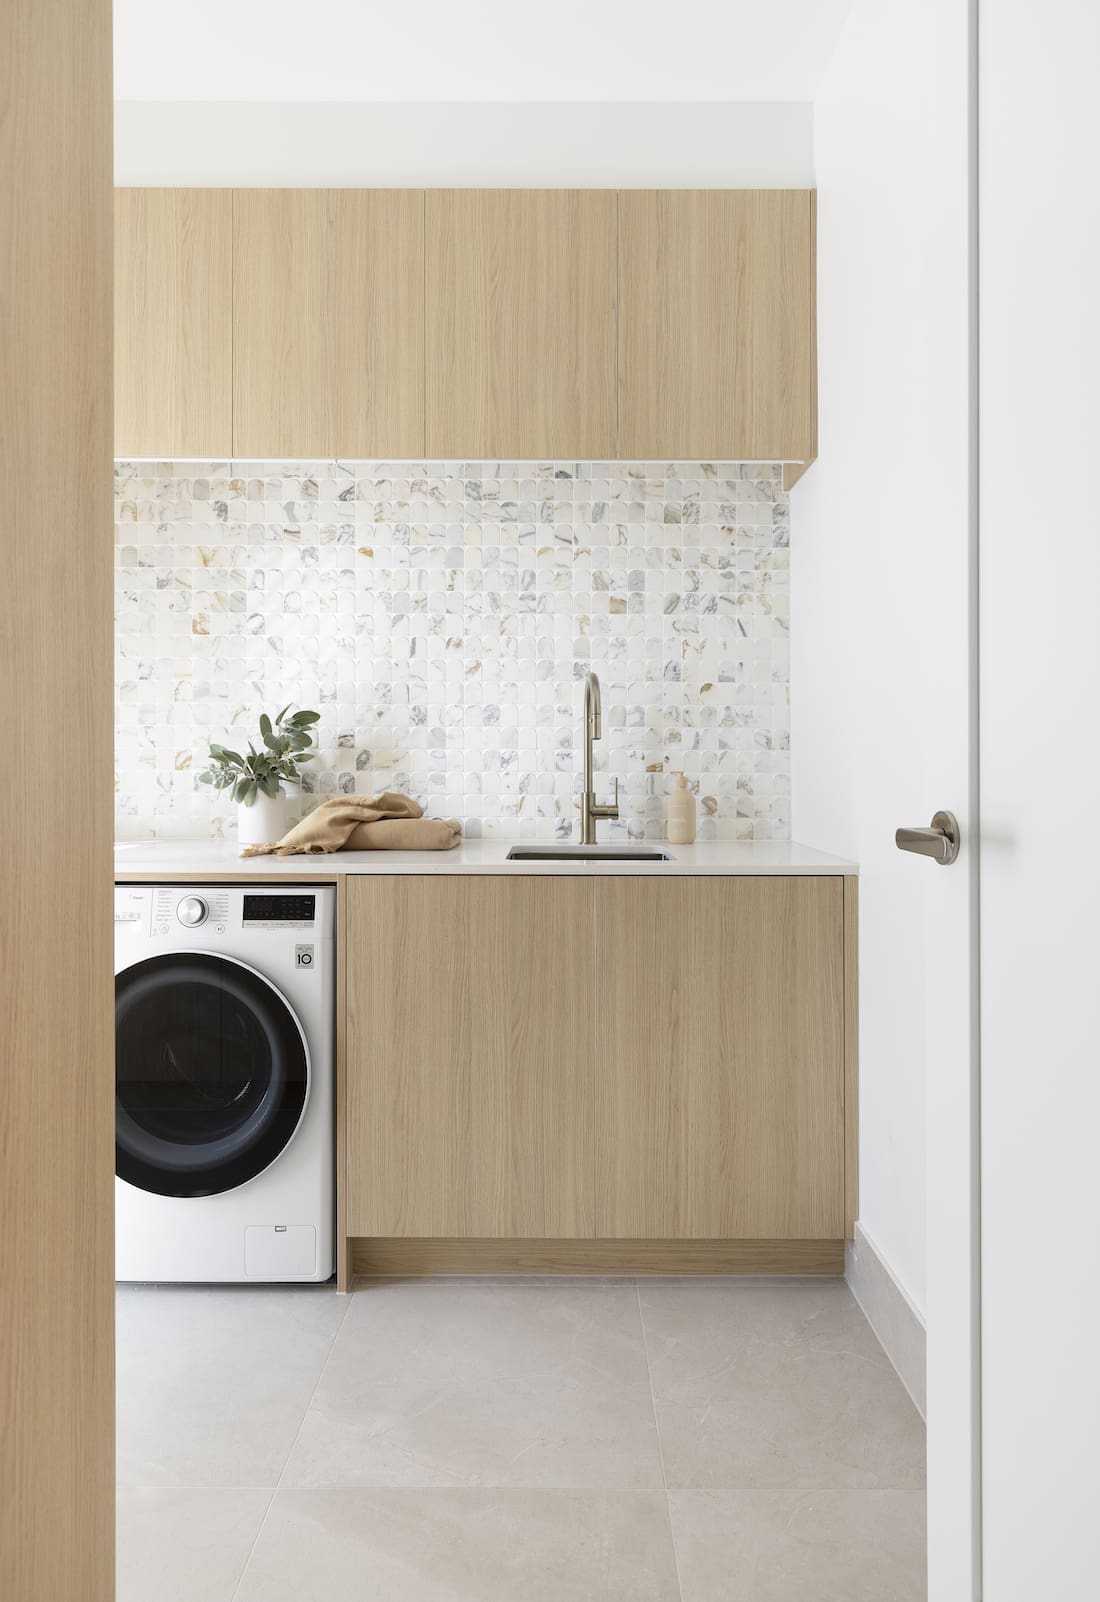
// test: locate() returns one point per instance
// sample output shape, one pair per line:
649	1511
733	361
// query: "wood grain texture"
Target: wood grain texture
793	471
57	1462
715	324
521	323
851	1054
412	1258
470	1031
328	323
720	1041
173	323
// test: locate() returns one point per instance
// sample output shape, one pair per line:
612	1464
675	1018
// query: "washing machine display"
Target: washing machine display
211	1076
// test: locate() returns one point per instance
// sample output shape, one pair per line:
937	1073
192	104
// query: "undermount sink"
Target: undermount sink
588	853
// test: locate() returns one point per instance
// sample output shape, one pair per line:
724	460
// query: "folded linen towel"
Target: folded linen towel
386	822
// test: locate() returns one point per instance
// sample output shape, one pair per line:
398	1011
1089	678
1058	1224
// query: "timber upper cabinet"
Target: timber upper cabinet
173	322
328	322
520	301
716	324
601	1057
466	324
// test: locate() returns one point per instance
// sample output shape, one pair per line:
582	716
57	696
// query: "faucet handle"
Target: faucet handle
608	809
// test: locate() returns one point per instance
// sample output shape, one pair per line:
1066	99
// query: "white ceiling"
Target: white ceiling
473	50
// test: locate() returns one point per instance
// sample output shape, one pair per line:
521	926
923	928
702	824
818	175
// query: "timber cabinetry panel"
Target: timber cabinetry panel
720	1056
328	323
57	1081
521	323
173	322
716	324
469	1056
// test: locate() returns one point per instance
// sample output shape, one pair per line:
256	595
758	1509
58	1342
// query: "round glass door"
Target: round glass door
211	1074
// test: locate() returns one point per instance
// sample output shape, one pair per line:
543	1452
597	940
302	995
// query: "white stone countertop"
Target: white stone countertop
199	859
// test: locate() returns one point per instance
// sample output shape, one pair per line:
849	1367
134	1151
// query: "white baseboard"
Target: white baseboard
890	1313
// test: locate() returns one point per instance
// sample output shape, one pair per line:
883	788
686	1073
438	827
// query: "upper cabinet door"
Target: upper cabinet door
716	324
173	323
328	323
521	323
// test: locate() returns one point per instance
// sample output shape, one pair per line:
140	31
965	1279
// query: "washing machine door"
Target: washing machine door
211	1074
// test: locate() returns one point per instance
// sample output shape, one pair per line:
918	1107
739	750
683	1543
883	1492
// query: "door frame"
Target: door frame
954	1108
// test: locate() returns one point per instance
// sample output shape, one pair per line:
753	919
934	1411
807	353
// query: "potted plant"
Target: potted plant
257	780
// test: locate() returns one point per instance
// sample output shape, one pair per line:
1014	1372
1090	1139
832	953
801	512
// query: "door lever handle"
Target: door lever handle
941	841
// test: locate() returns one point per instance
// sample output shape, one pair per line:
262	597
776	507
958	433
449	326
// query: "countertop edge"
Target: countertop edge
191	861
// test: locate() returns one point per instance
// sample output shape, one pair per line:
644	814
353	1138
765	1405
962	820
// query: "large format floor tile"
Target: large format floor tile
776	1387
463	1546
484	1384
800	1546
213	1384
496	1439
185	1546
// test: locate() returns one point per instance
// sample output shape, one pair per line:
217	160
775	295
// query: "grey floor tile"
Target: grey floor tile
185	1545
213	1384
463	1546
785	1387
460	1384
468	1330
800	1546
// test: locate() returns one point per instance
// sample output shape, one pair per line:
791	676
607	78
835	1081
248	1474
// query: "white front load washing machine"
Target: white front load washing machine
224	1033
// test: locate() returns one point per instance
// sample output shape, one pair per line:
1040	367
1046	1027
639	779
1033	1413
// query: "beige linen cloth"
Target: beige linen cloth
386	822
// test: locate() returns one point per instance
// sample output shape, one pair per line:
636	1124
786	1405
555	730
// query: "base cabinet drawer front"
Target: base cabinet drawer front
720	1059
470	1032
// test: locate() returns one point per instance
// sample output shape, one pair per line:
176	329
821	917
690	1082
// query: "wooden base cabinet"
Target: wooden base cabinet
469	1056
611	1059
719	1045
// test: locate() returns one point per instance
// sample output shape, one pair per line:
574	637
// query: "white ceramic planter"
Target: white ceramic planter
265	821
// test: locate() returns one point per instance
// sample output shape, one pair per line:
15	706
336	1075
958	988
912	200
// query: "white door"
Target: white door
1039	167
882	649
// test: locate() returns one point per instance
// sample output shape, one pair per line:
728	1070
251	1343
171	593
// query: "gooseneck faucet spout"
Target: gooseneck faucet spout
591	809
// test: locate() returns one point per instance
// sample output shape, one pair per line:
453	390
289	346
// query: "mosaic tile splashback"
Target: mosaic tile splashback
441	617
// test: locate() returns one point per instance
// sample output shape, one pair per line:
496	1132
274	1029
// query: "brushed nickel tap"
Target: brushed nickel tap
591	809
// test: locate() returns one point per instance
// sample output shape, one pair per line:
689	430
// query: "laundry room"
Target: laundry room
544	546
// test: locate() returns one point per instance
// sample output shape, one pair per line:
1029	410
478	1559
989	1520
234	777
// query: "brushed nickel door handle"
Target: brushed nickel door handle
941	841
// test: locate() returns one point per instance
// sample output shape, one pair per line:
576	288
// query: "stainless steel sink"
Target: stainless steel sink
588	853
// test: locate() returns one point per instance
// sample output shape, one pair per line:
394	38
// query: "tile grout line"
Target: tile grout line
660	1448
255	1542
290	1450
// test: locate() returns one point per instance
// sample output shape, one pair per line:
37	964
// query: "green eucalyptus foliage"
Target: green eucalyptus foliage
286	744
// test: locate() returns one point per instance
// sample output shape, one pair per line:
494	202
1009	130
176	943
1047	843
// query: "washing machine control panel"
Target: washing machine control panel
272	909
175	907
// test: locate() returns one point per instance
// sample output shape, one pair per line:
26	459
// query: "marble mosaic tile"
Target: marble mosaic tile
441	617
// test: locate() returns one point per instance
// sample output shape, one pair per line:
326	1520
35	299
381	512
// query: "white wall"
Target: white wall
879	536
480	50
528	145
1039	134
